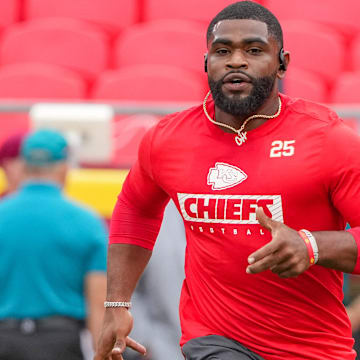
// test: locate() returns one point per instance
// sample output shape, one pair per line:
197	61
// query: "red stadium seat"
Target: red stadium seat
347	89
314	48
128	132
113	15
65	42
9	12
39	81
355	54
304	84
200	10
13	123
150	83
165	42
341	15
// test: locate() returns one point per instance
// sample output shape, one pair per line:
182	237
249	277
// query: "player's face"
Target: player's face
242	65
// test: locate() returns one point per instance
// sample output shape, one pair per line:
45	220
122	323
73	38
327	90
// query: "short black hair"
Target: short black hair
248	10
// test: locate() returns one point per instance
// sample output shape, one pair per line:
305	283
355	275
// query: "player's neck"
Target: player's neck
270	107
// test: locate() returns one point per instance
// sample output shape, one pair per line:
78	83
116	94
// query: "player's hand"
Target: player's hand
286	254
114	338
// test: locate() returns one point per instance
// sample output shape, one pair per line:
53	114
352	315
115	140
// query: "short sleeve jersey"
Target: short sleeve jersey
48	245
303	168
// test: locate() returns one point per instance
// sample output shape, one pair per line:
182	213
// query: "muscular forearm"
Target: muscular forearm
126	263
337	250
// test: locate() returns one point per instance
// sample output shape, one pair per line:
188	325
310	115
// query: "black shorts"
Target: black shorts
215	347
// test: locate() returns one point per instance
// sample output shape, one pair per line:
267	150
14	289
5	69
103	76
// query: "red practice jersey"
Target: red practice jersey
303	168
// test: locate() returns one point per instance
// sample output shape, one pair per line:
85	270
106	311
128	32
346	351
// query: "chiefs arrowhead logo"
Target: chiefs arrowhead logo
224	176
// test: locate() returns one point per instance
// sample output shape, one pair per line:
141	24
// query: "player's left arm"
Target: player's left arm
287	254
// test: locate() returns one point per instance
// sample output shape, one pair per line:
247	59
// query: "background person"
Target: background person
11	162
53	260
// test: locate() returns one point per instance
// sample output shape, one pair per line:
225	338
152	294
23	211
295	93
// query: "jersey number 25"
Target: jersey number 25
282	148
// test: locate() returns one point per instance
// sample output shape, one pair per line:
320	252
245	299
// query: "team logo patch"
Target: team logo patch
224	176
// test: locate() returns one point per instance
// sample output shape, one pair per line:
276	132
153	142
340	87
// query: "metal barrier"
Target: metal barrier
161	108
99	187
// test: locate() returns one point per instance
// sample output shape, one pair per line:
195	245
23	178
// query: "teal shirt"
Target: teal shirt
48	244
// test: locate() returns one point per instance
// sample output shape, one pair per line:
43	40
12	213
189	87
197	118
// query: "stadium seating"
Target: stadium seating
40	81
347	89
65	42
28	82
314	48
199	10
63	47
9	12
340	15
355	54
176	42
304	84
112	15
128	132
150	83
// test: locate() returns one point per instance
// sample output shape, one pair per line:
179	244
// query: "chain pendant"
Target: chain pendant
241	138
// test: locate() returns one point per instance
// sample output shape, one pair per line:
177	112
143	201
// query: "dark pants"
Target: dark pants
36	340
214	347
356	336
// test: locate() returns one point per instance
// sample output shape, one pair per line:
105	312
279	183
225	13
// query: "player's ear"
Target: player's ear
284	59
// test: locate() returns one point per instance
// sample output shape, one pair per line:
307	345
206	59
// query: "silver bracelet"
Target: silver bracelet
313	243
115	304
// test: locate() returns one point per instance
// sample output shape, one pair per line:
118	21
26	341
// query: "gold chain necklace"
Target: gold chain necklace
241	136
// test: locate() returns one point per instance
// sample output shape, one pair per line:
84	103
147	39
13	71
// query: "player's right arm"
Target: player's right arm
125	265
135	224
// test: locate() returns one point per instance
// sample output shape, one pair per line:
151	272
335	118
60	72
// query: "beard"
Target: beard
261	90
